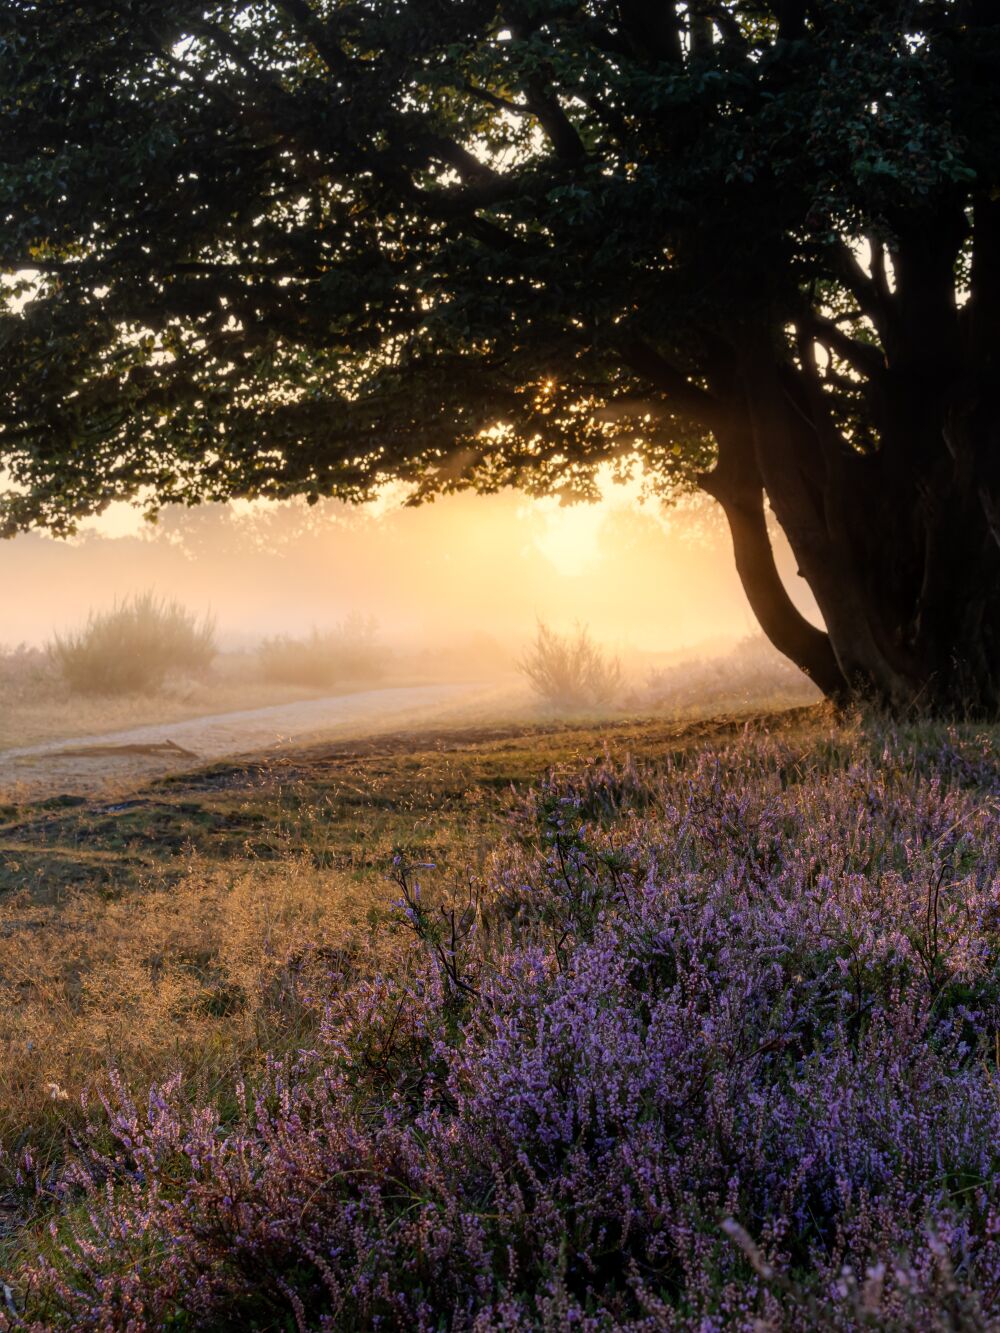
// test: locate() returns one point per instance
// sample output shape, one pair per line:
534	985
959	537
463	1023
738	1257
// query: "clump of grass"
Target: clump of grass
349	654
134	646
571	670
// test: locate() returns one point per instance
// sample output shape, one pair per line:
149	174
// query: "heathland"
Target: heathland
636	1025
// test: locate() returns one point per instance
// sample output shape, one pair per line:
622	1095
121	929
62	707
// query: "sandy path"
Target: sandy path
30	771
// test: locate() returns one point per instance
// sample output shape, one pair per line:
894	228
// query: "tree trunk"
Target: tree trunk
902	553
736	485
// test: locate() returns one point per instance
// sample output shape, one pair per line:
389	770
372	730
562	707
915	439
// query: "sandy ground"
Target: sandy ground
30	772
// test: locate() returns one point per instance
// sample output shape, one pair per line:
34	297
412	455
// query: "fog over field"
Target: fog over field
644	579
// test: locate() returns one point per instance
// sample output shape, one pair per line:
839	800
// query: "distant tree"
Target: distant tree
298	247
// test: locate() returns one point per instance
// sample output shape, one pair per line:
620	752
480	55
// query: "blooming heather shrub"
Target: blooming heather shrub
712	1047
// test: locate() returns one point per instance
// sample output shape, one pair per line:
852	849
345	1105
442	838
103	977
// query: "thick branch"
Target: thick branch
982	313
791	19
865	358
871	295
687	398
312	28
699	32
541	101
816	402
653	30
742	500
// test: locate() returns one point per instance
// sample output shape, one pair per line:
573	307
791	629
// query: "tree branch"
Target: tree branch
652	29
309	23
690	400
871	293
791	19
543	104
500	103
862	357
736	484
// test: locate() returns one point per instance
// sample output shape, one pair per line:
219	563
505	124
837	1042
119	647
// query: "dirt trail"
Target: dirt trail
79	765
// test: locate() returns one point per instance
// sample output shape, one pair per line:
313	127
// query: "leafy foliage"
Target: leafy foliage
134	646
710	1046
313	246
300	247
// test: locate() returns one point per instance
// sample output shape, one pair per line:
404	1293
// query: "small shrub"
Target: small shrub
348	654
752	671
25	673
134	646
570	670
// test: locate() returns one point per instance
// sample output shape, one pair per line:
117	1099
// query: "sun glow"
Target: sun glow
572	538
568	536
655	580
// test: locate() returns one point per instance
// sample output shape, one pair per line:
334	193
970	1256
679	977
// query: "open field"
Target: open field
105	762
800	909
119	915
55	741
175	925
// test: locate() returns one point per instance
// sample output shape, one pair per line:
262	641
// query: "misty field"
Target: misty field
647	1026
149	660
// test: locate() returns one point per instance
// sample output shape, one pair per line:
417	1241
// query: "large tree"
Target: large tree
281	247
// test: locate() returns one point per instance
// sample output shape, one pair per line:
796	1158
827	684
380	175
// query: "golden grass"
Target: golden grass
180	931
200	976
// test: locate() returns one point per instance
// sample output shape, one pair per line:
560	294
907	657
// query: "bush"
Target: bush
347	655
752	672
714	1047
570	670
25	674
134	646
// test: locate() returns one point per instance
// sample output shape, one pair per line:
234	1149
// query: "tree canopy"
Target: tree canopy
300	247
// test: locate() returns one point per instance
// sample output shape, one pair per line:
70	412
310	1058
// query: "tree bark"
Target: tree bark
900	549
736	485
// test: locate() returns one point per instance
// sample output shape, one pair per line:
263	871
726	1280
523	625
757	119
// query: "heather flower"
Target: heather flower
712	1047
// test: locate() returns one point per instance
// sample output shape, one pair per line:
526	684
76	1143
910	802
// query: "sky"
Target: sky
642	577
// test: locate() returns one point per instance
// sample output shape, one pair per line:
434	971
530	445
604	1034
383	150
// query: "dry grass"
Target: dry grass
134	647
349	654
752	673
570	672
179	930
201	975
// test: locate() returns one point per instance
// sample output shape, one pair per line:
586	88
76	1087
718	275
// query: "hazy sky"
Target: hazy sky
640	576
